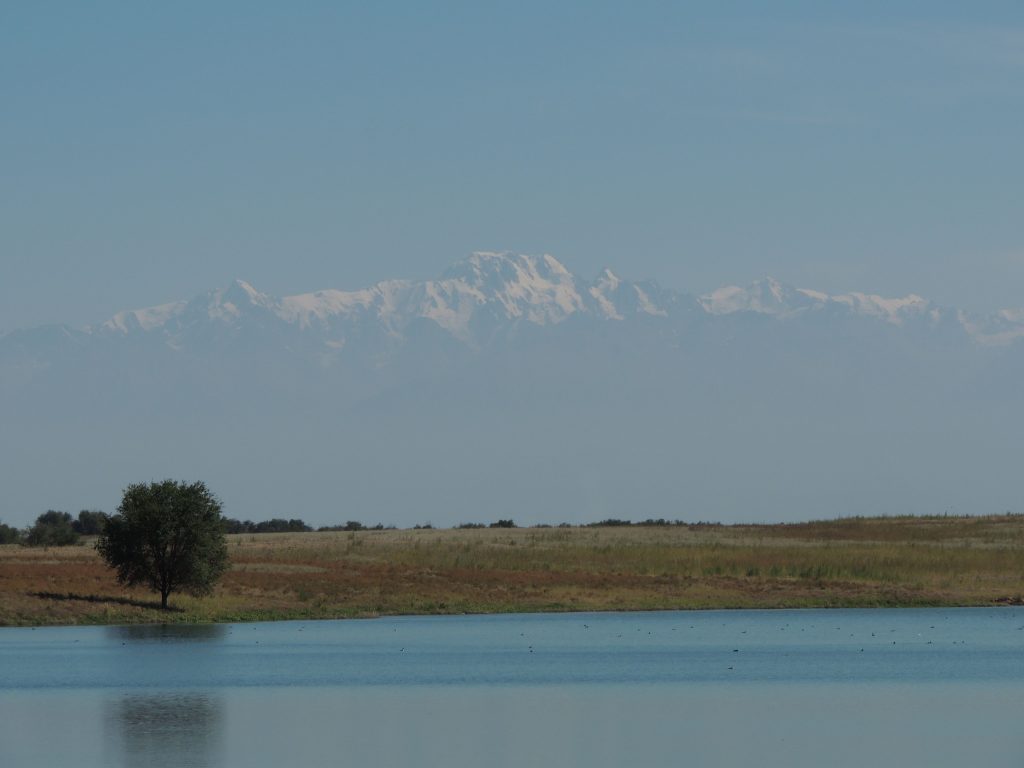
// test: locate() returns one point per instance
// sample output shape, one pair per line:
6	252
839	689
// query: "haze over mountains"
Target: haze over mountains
509	387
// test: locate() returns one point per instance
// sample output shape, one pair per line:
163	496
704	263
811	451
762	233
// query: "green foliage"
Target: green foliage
276	525
9	534
612	522
90	522
354	525
279	525
232	525
504	524
168	536
52	529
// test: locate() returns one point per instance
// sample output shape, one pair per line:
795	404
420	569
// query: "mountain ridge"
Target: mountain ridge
487	289
510	388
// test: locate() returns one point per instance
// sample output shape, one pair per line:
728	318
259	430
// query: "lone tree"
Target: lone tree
167	535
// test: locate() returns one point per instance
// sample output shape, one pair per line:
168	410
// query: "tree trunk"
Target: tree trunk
163	599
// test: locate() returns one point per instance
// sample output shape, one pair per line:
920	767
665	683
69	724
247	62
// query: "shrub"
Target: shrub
52	529
503	524
231	525
9	534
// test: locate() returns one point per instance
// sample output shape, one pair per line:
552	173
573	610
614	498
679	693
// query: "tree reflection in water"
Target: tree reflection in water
168	729
167	633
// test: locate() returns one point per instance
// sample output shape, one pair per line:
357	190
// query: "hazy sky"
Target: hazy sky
150	151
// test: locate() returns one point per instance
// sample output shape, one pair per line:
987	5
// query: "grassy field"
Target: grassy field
843	563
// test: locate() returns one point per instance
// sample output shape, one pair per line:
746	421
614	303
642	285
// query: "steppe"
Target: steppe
852	562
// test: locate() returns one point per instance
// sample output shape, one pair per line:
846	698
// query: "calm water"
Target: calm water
766	688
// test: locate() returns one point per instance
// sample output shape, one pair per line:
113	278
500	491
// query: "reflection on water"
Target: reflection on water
942	688
171	633
166	729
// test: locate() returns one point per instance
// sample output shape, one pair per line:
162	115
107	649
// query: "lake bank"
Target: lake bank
857	562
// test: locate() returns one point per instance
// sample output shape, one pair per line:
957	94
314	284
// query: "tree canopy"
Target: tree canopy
167	535
90	522
52	529
9	534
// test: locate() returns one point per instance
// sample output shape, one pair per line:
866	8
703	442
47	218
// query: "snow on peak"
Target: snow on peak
890	310
609	279
615	298
770	297
603	292
482	268
646	305
537	288
486	289
228	304
766	296
146	319
554	265
542	291
319	307
1005	327
242	293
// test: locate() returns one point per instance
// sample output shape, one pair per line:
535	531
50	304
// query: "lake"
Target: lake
899	687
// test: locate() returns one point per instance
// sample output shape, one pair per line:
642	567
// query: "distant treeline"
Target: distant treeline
54	528
613	521
275	525
355	525
609	522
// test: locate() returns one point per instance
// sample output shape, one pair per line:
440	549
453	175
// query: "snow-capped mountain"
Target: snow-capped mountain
510	387
488	293
502	288
769	296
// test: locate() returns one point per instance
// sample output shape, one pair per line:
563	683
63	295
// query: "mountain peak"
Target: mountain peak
242	292
481	267
537	288
487	267
766	296
608	276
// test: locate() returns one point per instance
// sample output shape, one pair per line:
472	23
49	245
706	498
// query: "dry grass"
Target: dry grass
854	562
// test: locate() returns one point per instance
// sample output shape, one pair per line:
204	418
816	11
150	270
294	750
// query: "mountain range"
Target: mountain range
489	294
509	387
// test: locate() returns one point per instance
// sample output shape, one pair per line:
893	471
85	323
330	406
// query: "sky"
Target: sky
152	151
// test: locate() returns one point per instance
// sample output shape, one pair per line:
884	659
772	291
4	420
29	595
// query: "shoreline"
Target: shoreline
582	612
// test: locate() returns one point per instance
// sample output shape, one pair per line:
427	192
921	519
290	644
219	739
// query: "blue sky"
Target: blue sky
152	151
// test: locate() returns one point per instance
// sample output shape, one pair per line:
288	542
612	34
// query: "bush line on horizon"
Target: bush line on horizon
56	528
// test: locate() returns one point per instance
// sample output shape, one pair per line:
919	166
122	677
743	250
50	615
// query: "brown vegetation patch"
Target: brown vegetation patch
854	562
277	568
